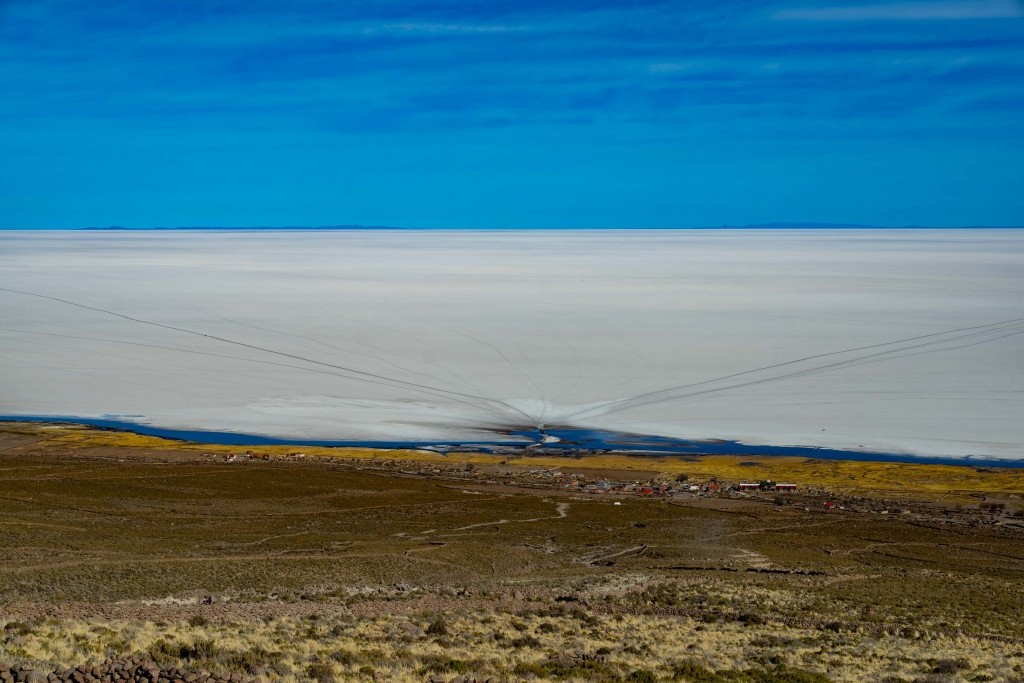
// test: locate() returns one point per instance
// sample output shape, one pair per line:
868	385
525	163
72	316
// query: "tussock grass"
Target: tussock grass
309	571
626	648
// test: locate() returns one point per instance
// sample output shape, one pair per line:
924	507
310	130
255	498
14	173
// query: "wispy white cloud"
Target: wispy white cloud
901	11
432	29
247	31
670	67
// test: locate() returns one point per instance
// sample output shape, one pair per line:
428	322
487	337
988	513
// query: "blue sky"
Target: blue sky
553	113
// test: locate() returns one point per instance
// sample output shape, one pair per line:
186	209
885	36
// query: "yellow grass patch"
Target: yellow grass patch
841	476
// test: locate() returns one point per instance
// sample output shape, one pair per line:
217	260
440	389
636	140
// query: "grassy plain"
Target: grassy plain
913	480
315	570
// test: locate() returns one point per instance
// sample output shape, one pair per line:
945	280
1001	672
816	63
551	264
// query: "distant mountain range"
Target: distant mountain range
257	227
818	226
777	225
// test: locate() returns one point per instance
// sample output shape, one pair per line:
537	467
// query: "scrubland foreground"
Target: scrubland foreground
153	562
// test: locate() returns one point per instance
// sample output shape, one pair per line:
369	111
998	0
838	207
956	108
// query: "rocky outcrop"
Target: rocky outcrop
130	670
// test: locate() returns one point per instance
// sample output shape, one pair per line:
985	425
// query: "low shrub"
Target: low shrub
344	657
439	664
163	652
950	666
438	627
563	668
692	672
321	672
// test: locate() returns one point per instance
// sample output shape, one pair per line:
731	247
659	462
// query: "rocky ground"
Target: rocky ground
125	563
112	670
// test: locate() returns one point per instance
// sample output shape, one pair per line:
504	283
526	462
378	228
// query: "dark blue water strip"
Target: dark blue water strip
572	441
225	438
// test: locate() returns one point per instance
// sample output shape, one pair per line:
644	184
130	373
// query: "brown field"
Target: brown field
905	480
315	569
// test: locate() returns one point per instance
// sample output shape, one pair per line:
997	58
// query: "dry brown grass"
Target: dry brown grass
313	570
904	479
575	646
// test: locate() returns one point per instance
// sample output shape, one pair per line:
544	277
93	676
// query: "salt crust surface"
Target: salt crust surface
547	323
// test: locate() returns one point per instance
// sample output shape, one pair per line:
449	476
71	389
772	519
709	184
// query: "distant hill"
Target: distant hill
776	225
859	226
256	227
818	226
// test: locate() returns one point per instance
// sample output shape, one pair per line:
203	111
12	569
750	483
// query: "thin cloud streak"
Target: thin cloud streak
435	29
908	11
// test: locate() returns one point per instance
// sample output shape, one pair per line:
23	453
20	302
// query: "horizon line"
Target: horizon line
775	225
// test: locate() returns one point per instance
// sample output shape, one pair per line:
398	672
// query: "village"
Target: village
547	478
680	489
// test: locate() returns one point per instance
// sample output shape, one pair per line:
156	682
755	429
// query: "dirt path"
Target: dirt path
594	560
424	548
209	559
561	510
772	529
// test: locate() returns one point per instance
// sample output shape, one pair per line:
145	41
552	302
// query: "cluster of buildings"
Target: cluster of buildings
537	478
658	487
766	485
250	455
